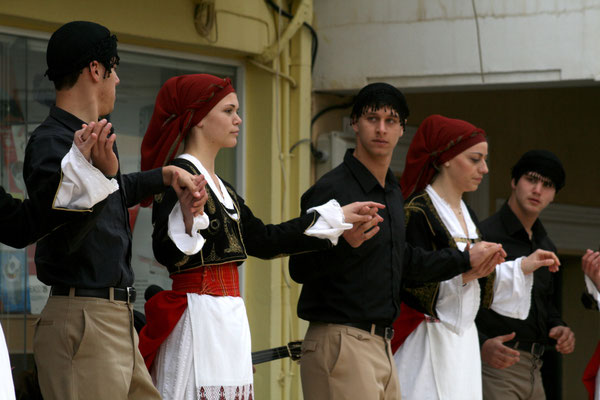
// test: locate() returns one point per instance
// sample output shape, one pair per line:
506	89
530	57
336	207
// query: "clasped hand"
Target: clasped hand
363	215
95	142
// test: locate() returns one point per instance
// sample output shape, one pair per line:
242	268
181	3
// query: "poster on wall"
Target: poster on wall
14	293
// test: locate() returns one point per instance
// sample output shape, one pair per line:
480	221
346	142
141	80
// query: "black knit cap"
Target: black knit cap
76	44
542	162
379	95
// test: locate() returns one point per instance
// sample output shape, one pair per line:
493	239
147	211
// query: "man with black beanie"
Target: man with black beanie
84	344
351	292
512	349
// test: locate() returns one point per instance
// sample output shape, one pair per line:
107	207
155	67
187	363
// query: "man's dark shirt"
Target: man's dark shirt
93	251
346	284
505	228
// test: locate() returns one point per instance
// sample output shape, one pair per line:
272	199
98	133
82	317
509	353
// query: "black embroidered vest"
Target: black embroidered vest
223	236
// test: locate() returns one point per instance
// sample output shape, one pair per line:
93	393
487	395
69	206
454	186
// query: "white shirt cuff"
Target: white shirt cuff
512	290
187	244
330	224
82	185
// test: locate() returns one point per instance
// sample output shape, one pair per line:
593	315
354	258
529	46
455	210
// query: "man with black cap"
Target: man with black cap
84	344
351	292
512	349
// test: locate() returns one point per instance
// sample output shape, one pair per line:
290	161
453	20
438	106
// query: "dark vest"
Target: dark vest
224	243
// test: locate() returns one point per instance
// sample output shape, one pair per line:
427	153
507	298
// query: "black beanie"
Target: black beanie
75	44
379	95
544	163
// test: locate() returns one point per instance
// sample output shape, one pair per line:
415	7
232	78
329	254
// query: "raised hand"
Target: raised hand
565	339
496	354
540	258
590	264
103	156
85	139
362	231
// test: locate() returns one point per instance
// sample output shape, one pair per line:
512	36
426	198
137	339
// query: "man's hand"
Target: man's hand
590	264
103	156
565	339
540	258
184	180
362	231
360	211
484	257
496	354
85	139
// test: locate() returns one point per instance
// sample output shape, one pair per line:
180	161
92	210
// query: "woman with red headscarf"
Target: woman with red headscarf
196	343
436	343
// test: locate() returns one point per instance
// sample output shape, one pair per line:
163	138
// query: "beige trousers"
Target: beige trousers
340	362
86	348
522	381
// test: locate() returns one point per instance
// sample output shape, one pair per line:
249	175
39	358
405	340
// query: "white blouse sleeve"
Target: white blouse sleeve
330	224
512	290
82	185
591	288
187	244
458	303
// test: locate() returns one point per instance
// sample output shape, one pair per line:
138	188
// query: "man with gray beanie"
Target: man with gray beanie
84	344
511	348
351	292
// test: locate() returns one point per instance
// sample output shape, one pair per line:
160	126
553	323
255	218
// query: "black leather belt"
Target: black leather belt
386	332
536	349
127	294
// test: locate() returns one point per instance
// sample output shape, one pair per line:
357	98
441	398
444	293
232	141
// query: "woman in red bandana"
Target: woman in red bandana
196	343
436	346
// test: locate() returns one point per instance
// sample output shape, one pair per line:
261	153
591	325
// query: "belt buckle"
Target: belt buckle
131	294
537	349
389	332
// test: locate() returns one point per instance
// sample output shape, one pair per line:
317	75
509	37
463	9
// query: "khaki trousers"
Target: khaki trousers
340	362
86	348
521	381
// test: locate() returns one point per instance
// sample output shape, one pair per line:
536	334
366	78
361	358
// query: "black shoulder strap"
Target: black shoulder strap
185	164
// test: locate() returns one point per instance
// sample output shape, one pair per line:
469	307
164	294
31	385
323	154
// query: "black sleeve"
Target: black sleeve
311	266
139	185
270	241
22	222
419	233
589	301
165	251
434	266
554	318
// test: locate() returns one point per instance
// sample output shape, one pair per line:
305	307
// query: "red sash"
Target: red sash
405	324
591	371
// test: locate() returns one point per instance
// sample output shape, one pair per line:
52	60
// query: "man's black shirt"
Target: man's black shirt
504	227
345	284
93	251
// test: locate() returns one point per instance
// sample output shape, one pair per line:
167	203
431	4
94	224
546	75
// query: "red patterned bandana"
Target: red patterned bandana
182	102
438	139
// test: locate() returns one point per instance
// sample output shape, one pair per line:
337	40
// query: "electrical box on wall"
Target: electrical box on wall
333	146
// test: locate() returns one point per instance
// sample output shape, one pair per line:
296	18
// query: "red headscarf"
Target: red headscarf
438	139
182	102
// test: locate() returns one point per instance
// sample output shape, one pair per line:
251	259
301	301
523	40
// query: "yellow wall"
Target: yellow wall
277	115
